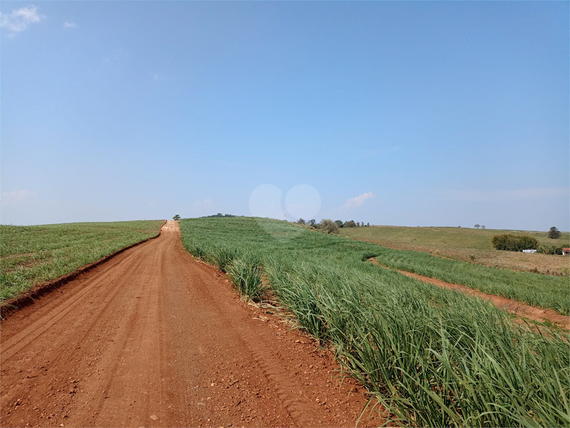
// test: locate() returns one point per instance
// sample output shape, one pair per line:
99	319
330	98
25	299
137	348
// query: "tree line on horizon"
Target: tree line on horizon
329	226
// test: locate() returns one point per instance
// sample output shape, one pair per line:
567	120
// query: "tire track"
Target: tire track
154	338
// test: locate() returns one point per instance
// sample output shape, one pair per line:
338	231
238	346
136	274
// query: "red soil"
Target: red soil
513	306
153	338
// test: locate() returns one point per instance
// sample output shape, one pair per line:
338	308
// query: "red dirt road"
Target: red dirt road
154	338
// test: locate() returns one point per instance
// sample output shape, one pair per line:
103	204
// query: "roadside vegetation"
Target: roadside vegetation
544	291
469	245
431	356
34	254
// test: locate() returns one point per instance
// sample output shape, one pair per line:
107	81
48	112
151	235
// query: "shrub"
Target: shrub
549	249
509	242
350	223
328	226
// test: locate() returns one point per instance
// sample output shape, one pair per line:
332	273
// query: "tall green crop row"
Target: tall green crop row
538	290
433	357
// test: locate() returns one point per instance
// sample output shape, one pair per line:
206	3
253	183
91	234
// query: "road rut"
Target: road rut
155	338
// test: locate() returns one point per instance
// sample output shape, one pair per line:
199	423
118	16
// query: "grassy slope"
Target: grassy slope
470	245
34	254
535	289
434	357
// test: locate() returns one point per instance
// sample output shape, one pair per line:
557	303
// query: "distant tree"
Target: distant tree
483	226
312	222
554	233
339	223
367	224
477	226
510	242
176	217
328	226
350	223
301	222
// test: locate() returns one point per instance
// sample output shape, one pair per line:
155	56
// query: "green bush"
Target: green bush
509	242
328	226
549	249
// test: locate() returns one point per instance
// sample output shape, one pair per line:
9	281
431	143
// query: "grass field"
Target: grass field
433	357
470	245
34	254
545	291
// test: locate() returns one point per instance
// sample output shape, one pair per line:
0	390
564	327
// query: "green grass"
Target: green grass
34	254
433	357
535	289
470	245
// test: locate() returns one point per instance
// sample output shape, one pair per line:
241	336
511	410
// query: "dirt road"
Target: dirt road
155	338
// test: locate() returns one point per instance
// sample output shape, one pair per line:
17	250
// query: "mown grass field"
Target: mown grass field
34	254
433	357
470	245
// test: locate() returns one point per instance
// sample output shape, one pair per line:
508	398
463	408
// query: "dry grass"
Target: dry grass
470	245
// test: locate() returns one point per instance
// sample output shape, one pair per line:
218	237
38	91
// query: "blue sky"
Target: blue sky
403	113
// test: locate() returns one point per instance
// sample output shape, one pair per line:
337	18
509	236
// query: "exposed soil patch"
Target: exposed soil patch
17	256
153	338
512	306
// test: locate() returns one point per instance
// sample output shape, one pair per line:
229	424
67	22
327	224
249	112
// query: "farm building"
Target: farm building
566	251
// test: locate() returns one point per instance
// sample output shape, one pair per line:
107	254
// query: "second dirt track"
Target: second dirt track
154	338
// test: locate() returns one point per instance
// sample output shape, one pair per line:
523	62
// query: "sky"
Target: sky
390	113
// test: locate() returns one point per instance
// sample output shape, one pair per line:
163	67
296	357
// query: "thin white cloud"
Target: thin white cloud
70	24
358	200
16	197
505	195
19	19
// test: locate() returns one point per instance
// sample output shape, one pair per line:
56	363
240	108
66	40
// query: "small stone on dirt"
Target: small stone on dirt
154	417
